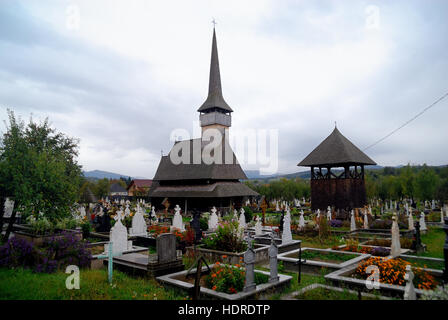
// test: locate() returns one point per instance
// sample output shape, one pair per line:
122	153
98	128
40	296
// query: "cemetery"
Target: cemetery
205	231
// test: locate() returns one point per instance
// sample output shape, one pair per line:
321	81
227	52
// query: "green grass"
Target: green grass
434	240
439	265
322	255
327	294
21	284
315	242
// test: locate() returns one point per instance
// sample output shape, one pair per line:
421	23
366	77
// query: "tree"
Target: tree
38	168
102	188
426	183
407	180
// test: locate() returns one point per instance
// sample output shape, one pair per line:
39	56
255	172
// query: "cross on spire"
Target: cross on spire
214	23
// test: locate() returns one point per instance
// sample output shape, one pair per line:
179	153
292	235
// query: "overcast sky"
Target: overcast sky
125	74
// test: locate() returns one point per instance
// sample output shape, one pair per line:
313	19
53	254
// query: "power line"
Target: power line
409	121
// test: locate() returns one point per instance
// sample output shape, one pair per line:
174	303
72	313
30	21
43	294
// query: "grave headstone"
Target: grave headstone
441	215
258	226
139	227
196	225
423	222
366	220
177	220
273	252
242	220
301	220
166	247
352	221
409	290
286	234
411	221
119	236
249	261
395	247
213	220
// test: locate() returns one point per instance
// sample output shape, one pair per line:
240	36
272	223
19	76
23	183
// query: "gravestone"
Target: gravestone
441	215
301	220
177	220
213	220
119	236
9	206
352	221
366	220
277	209
409	290
166	247
318	213
139	227
235	215
273	267
418	240
242	220
258	226
286	234
395	247
127	211
329	213
423	222
249	261
410	221
196	225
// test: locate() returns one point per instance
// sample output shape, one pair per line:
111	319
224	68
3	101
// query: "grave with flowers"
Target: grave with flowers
226	280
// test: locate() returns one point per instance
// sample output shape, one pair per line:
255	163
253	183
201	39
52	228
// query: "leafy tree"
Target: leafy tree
102	188
426	183
38	168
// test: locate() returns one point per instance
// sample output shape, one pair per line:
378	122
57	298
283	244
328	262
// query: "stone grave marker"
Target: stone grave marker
258	226
395	247
249	261
286	234
273	252
166	247
409	290
139	227
352	221
213	220
423	222
177	220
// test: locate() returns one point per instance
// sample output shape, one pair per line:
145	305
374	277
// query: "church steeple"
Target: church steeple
215	99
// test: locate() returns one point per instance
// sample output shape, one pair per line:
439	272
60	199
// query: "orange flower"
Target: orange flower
214	288
224	256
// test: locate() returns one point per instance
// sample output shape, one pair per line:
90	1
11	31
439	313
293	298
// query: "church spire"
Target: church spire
215	98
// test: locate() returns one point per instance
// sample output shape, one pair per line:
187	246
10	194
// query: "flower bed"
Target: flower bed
392	271
180	281
391	275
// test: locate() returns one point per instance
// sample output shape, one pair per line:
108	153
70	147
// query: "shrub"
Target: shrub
248	213
203	223
324	228
440	293
40	226
226	278
65	250
17	253
336	223
226	238
230	278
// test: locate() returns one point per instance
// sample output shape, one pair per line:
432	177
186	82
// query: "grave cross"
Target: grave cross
409	290
110	256
249	261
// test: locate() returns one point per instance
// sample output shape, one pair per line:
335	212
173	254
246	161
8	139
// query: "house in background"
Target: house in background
117	190
139	187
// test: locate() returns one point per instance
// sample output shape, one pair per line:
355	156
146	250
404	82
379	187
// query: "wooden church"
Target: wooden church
195	183
337	173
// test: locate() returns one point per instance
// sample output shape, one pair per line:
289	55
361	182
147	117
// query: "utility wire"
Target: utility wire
409	121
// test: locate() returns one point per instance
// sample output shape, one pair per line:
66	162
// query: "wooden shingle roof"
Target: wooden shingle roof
336	150
168	170
215	98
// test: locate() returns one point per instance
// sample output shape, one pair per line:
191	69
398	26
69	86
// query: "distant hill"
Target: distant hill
98	174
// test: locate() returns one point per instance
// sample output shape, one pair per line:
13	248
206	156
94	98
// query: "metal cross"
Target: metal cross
110	256
214	22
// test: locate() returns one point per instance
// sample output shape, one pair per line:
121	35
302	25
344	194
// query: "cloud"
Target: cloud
135	71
